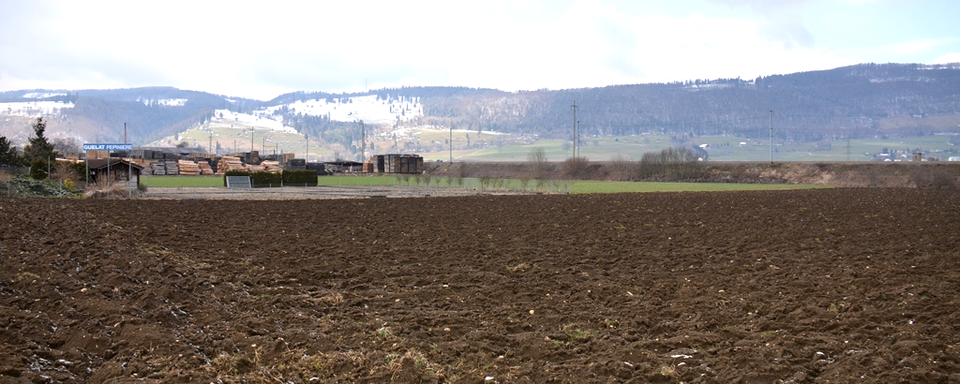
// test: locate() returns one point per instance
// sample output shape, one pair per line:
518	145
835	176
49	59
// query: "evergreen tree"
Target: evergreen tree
39	148
8	153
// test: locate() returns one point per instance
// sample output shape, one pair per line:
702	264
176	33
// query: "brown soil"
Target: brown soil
924	175
805	286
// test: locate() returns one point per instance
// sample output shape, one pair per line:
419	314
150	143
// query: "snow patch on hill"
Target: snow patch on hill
370	109
259	121
164	102
39	95
33	108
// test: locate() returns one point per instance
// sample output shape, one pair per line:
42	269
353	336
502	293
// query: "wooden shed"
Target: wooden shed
116	169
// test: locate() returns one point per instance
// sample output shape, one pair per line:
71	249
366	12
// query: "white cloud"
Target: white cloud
261	50
948	58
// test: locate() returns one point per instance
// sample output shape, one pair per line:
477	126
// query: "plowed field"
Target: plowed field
813	286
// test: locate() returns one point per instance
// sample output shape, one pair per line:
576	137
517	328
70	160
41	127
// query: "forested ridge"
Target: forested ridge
846	102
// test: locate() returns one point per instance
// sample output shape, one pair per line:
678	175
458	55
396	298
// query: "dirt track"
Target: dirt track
755	287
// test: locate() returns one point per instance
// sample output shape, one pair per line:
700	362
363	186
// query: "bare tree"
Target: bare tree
538	160
621	165
577	168
66	145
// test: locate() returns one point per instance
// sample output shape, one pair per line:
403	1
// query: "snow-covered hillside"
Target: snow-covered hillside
223	117
367	108
33	108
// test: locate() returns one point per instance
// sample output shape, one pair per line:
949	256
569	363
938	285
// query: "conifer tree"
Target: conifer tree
39	148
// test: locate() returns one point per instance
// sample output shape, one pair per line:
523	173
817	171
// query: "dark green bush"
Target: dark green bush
257	179
265	179
297	178
38	169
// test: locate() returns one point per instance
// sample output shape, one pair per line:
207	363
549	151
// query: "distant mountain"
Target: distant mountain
99	115
852	102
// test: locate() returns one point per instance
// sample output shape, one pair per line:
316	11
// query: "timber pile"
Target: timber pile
147	169
205	168
271	166
229	163
188	168
170	167
157	168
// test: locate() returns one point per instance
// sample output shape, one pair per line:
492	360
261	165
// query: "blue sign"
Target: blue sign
108	147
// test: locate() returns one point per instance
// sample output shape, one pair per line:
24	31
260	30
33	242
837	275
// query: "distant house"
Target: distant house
953	158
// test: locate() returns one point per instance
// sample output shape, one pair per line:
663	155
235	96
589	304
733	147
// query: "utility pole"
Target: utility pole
771	137
124	133
451	143
210	145
578	139
848	148
306	142
574	128
363	143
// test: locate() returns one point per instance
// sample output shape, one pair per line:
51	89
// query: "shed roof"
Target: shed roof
112	162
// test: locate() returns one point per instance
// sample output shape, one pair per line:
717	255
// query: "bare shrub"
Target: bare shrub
538	162
576	168
621	165
935	177
670	164
101	190
64	172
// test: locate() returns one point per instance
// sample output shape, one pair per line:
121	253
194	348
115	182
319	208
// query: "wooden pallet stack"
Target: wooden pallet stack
229	163
188	168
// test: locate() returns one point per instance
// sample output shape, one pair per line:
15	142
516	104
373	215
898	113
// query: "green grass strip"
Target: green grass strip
181	181
575	187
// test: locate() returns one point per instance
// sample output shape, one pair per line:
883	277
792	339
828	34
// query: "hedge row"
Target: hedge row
267	179
306	178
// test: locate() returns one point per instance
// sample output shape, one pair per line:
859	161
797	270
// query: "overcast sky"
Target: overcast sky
261	49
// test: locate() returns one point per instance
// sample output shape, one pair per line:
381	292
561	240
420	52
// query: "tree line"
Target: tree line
38	153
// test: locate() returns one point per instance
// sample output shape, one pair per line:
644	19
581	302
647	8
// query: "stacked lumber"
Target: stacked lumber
147	169
156	168
272	166
205	168
229	163
170	167
188	168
